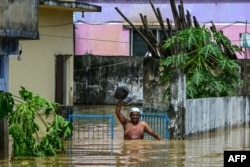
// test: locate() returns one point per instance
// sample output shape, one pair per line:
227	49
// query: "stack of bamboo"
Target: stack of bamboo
181	21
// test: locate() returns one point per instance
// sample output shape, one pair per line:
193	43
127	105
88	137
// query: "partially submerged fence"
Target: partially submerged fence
158	122
96	123
92	126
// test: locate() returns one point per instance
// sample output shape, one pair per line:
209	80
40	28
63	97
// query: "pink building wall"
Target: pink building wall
233	33
113	39
103	40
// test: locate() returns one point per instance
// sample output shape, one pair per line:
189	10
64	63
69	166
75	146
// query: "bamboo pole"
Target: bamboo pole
146	40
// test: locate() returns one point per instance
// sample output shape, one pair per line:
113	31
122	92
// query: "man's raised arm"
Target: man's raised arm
119	115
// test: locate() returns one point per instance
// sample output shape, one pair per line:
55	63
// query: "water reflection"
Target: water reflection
143	153
200	151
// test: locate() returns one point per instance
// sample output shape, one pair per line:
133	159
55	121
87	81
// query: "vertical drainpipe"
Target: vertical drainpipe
71	100
71	91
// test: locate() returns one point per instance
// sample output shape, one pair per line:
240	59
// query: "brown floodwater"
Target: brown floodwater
204	150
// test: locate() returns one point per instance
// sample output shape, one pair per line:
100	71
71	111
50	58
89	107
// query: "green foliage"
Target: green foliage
24	129
204	56
6	104
52	141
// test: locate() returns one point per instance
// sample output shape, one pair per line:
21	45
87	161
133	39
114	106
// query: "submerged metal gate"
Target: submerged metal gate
101	126
158	122
92	126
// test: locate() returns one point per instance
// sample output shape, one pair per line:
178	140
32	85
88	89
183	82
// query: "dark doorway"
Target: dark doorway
59	79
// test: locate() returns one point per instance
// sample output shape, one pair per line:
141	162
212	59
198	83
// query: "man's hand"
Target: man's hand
158	137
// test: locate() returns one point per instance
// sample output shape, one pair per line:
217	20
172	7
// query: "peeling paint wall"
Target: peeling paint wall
97	77
18	18
153	88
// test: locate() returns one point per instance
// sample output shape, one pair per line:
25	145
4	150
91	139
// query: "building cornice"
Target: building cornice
69	6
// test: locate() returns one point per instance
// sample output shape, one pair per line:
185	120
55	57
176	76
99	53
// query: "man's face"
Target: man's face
135	116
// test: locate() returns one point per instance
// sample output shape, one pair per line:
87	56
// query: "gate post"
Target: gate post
177	106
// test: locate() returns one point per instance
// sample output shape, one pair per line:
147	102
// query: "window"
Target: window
138	45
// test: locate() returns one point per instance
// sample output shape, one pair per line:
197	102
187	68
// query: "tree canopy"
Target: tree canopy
202	54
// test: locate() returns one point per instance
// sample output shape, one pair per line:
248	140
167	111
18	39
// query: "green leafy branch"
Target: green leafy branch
24	129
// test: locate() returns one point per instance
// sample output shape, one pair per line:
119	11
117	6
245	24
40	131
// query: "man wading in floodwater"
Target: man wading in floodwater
134	129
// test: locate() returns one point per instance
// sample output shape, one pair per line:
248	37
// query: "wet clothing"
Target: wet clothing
133	132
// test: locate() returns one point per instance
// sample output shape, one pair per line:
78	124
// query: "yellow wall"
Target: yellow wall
36	70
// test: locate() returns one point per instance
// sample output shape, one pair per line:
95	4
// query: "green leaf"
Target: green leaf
210	50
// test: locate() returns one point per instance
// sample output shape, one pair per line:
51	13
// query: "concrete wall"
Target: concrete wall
36	70
209	114
18	19
152	85
97	77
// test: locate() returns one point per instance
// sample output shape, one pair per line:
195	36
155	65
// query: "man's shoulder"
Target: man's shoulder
143	123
